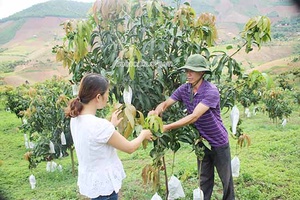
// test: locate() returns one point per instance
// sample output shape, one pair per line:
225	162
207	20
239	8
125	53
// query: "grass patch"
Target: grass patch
19	51
269	167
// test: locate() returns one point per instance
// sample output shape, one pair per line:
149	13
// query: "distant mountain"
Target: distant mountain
54	8
231	15
225	10
61	9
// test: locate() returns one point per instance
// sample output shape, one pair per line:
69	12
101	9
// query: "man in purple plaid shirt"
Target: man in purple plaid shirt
202	101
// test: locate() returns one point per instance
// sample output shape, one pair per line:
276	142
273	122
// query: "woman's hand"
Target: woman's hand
114	118
147	134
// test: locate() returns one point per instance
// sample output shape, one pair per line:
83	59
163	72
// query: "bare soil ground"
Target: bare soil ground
25	73
33	43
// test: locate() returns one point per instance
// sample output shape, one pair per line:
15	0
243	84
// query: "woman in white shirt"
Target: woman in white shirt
100	171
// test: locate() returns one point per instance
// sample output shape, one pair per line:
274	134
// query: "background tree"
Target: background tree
42	108
251	88
277	104
17	100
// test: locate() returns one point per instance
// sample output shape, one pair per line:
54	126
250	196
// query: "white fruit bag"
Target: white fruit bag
156	197
175	188
75	89
51	166
234	117
48	166
59	168
127	95
32	181
198	194
51	147
235	166
26	141
247	112
63	138
284	121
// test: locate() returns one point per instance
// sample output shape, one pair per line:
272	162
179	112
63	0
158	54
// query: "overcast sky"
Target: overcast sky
9	7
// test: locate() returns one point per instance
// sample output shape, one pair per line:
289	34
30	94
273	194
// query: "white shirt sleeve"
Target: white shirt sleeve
104	130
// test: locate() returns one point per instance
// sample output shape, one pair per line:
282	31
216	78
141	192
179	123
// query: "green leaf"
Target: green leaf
206	144
131	69
229	47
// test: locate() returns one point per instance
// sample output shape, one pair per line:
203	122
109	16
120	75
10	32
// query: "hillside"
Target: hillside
54	8
28	36
60	9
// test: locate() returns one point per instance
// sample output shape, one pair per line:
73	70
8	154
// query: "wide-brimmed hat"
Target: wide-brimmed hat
197	63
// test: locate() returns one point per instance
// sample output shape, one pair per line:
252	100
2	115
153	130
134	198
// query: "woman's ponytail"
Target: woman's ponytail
74	108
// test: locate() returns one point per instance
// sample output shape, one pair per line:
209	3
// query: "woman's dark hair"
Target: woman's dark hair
90	86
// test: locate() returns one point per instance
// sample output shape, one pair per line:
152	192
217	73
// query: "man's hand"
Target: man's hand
152	112
166	128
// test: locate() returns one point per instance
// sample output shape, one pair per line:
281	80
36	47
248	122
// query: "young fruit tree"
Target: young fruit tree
141	44
45	127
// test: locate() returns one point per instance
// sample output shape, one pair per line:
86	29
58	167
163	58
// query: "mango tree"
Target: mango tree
42	108
277	104
46	123
251	88
287	81
142	43
16	100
